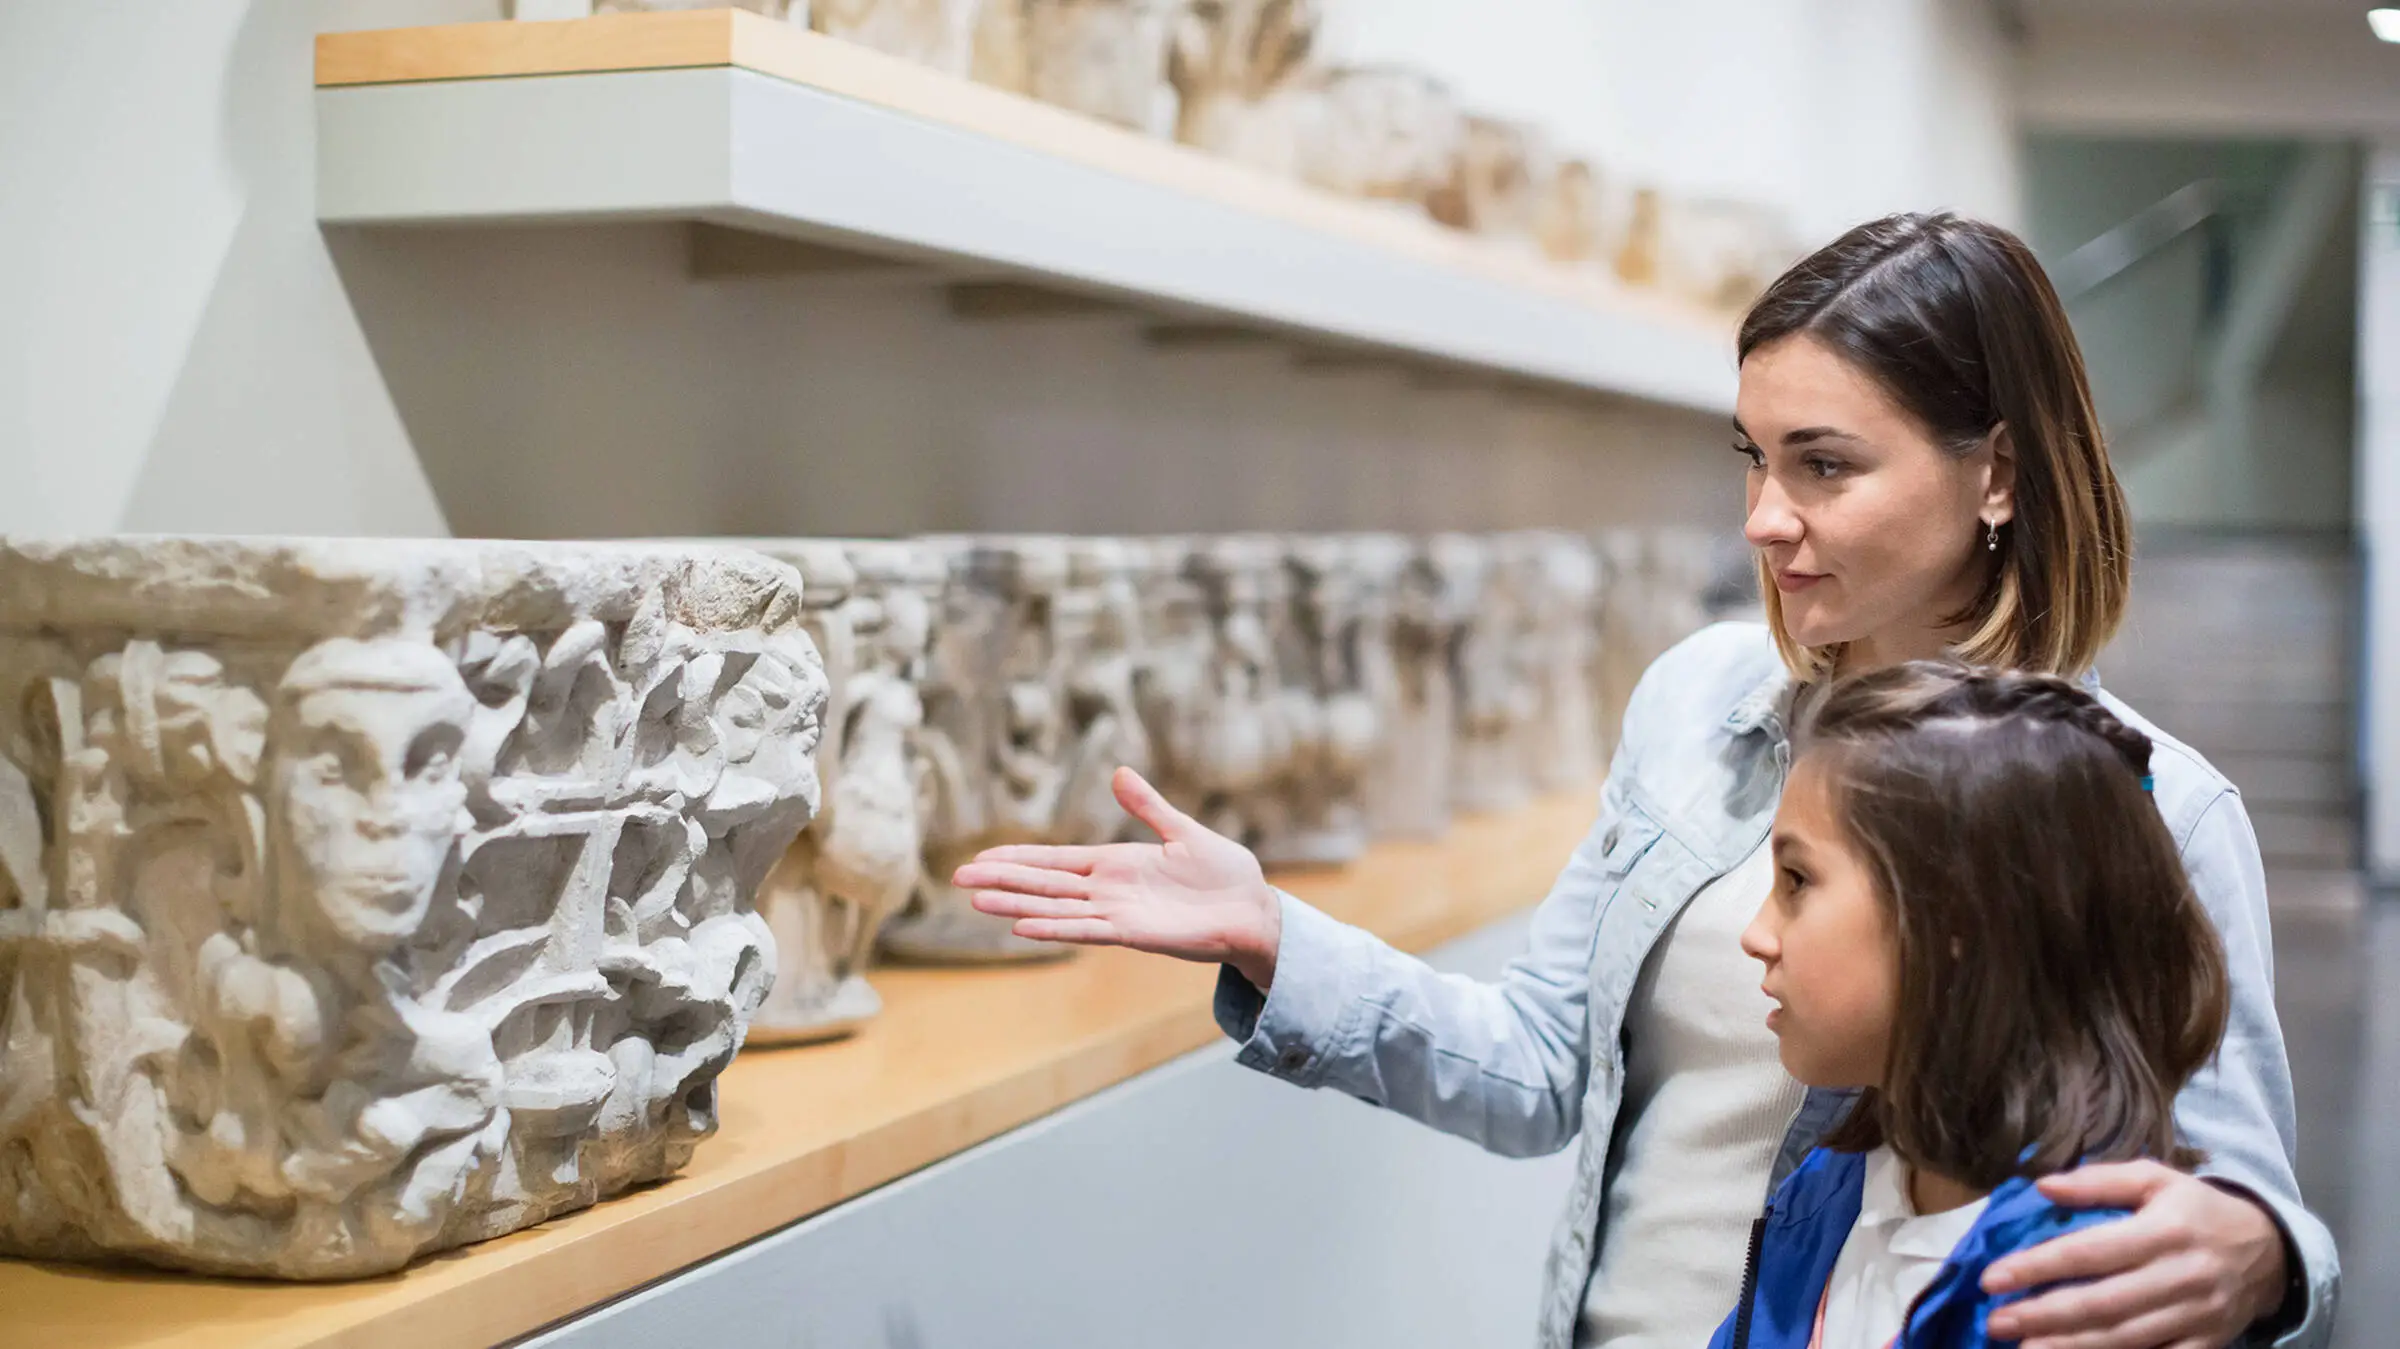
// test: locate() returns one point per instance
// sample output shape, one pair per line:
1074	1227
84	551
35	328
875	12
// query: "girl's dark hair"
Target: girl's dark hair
1958	324
2059	981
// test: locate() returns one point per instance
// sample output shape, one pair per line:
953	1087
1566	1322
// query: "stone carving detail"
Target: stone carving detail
1562	580
1107	58
1338	689
359	899
996	734
936	33
870	611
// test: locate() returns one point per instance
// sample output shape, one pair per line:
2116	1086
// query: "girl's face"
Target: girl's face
1874	534
1832	964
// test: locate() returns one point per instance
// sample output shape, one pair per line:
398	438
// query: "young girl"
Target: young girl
1979	919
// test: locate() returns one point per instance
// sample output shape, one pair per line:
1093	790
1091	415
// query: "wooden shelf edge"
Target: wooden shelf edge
958	1058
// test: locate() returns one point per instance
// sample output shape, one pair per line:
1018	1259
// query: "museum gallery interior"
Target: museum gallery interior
544	532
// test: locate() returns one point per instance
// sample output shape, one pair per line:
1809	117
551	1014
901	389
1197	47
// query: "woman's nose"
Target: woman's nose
1771	520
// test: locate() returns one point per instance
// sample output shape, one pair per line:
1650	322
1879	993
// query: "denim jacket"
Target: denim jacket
1795	1247
1526	1065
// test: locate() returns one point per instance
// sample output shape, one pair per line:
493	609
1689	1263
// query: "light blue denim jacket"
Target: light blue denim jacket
1524	1065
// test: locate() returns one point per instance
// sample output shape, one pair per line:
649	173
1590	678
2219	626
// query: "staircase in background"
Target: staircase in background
2245	648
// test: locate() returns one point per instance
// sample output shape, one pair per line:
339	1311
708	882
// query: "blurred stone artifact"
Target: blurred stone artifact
363	898
996	731
869	608
936	33
1107	58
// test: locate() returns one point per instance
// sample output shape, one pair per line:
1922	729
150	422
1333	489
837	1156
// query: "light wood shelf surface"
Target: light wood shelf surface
727	117
958	1057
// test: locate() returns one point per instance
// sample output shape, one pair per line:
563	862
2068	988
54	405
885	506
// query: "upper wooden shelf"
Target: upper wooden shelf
725	117
958	1057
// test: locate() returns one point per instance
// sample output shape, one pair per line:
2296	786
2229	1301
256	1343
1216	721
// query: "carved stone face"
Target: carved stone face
366	783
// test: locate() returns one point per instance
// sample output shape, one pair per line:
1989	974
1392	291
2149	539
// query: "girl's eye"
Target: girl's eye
1793	881
1756	456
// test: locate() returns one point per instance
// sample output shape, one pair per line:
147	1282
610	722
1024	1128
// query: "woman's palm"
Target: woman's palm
1196	894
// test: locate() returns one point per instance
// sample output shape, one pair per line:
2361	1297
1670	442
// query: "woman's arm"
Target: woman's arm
2209	1258
1502	1064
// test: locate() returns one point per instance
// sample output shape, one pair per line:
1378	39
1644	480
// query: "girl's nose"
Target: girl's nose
1758	940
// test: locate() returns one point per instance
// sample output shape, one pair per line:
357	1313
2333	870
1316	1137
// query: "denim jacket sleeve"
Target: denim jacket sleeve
2239	1108
1502	1064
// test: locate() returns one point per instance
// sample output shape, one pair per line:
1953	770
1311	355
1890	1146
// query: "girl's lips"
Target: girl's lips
1790	582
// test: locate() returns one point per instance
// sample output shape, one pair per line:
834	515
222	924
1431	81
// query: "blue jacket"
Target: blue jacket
1536	1062
1801	1236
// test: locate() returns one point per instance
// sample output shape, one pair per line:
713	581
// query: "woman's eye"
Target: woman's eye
1822	468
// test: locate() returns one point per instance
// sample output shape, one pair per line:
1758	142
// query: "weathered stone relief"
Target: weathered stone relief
1338	687
940	34
363	898
1107	58
996	734
869	608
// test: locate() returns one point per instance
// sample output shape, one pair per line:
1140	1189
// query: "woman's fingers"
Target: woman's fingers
1013	904
2093	1253
1024	880
1074	931
2130	1294
2127	1185
1079	860
1142	802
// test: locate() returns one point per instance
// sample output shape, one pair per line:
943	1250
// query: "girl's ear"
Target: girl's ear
2000	482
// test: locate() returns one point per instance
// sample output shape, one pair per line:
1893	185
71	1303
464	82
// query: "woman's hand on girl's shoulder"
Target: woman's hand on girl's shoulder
2193	1267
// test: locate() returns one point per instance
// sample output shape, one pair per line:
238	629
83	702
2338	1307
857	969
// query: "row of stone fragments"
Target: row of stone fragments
363	898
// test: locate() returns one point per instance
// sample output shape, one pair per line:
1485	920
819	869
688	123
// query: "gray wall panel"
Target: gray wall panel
1199	1204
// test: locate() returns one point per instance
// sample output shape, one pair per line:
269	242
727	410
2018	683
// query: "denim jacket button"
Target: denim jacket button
1292	1060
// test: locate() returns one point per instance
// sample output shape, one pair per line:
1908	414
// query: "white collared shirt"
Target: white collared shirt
1890	1258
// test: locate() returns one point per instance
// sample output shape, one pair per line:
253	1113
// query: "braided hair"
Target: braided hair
2059	981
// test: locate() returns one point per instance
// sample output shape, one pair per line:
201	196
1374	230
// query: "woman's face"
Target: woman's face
1874	534
1833	965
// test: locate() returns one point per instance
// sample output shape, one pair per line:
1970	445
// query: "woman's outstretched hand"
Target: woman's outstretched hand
1197	895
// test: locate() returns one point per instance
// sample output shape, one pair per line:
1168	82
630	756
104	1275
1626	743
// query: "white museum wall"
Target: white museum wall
186	350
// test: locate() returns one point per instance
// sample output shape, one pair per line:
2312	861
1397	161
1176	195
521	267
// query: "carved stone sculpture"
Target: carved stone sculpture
1722	253
1107	58
1570	220
870	611
1382	133
1337	685
1489	665
1003	51
1237	68
1244	736
1500	176
995	738
363	898
1411	796
1102	638
1170	678
936	33
1562	581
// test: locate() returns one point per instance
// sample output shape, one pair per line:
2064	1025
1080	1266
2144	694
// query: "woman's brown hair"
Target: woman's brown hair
1958	324
2059	982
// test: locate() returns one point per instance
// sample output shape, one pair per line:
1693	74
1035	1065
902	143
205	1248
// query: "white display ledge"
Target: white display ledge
725	117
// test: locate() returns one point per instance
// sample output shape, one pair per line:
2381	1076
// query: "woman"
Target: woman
1926	476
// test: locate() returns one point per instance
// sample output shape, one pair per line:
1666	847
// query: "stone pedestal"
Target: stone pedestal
363	898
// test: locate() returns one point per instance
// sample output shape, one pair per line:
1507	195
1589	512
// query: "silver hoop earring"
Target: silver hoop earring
1991	536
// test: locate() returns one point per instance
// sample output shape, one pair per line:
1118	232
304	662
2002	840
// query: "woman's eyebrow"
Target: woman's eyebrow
1809	435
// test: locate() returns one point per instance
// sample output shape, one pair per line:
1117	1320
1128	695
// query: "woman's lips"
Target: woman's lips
1792	582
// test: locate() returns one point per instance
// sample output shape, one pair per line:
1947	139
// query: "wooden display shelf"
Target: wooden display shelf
727	118
958	1057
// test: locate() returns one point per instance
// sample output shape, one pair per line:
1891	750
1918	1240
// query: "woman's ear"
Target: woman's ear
2000	481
